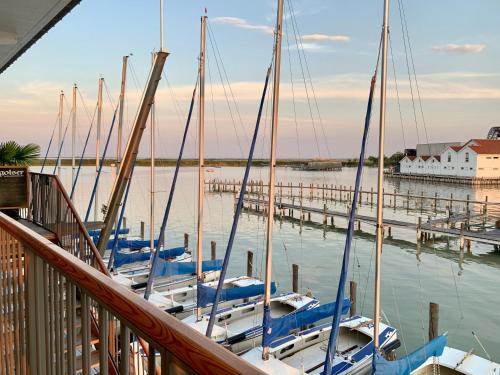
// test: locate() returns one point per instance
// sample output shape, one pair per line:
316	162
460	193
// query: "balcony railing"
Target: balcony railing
48	298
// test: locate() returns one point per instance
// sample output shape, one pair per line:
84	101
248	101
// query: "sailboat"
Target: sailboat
181	300
291	349
238	327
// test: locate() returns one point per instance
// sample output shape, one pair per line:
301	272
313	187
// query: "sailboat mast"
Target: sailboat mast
152	174
98	145
73	136
272	164
60	133
380	186
120	114
201	162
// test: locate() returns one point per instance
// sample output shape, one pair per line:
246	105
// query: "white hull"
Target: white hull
244	321
304	352
454	361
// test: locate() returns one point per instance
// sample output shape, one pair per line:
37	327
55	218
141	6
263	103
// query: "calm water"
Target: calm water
469	296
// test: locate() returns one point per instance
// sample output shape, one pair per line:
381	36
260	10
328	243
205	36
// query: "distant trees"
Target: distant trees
12	153
372	161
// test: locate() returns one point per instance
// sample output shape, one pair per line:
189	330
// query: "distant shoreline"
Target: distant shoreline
190	162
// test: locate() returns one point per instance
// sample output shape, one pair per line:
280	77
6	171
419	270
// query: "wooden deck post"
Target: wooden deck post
186	241
419	230
295	278
433	320
213	250
353	287
249	263
142	230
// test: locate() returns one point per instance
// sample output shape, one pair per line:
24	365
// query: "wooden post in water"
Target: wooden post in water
451	203
371	197
249	263
213	250
435	202
419	231
186	241
394	203
325	219
142	230
408	201
124	222
295	278
462	241
433	320
467	209
421	202
353	287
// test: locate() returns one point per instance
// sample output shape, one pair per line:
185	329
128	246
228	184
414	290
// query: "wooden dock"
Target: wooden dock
423	231
439	179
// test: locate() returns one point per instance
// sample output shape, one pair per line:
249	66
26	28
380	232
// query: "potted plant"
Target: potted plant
13	154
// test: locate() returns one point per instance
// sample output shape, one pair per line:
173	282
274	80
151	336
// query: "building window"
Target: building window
481	169
471	169
462	168
495	157
466	157
488	157
449	157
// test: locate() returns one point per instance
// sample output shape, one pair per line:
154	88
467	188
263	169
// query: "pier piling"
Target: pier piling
295	278
213	250
433	320
249	263
353	287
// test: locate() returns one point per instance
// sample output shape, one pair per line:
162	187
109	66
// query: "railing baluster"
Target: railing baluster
151	360
103	340
3	349
86	333
124	349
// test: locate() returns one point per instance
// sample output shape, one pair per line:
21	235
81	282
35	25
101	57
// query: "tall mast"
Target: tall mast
380	186
272	164
201	162
98	145
152	174
73	136
60	134
120	114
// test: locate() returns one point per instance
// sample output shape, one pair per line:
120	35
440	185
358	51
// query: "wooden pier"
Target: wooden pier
438	179
466	219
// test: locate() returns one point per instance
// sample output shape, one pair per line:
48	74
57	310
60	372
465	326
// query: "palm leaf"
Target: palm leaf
26	154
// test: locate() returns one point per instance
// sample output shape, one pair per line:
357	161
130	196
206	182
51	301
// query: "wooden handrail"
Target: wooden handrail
164	331
83	230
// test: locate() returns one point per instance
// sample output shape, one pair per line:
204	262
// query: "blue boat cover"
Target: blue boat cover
407	364
207	294
97	232
122	258
283	325
129	244
164	268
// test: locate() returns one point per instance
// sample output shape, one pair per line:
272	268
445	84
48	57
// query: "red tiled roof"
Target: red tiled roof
456	148
425	157
411	157
485	146
437	157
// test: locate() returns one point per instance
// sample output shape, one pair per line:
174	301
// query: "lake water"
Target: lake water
469	295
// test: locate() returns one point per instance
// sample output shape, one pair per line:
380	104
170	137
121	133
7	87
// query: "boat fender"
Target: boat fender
393	345
175	309
139	285
236	338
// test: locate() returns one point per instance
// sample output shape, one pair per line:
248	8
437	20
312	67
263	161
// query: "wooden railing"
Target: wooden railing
51	208
47	298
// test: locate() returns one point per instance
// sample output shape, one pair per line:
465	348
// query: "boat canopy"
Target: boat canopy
283	325
130	244
122	258
97	232
207	294
164	268
412	361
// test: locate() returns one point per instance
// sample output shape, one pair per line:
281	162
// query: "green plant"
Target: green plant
12	153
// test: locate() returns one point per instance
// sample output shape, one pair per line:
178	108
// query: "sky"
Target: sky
450	51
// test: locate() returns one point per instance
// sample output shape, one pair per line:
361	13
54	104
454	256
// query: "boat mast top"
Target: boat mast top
380	185
73	135
120	113
272	163
98	145
60	131
152	171
162	39
201	162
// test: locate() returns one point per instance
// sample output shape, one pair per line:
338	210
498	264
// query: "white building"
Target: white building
477	158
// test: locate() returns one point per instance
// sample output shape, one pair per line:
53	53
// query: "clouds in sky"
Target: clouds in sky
243	24
460	48
325	38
